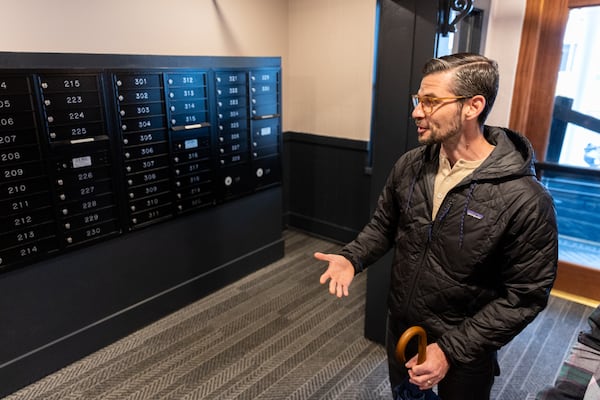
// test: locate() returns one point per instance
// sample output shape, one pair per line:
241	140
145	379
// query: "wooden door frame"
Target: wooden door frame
533	100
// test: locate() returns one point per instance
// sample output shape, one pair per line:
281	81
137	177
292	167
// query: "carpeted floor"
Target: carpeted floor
278	334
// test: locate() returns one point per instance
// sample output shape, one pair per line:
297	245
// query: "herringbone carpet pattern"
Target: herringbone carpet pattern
278	334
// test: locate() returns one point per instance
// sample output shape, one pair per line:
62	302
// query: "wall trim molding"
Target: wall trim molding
350	144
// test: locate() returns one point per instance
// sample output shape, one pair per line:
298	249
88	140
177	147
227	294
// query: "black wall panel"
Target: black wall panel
132	186
407	34
326	185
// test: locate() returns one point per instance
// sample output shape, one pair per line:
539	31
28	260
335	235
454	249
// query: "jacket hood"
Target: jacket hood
513	155
504	161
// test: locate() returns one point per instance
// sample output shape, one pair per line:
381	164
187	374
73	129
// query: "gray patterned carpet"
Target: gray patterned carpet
278	334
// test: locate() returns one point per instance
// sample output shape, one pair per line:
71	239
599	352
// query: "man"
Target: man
473	231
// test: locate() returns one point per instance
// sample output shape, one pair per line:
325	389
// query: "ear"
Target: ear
474	106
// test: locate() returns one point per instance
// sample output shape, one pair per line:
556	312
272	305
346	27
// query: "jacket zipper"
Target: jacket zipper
448	205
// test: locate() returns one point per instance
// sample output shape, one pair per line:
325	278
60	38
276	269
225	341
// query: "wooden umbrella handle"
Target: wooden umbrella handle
405	338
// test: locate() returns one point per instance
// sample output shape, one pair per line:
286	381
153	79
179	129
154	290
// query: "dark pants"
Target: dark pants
471	381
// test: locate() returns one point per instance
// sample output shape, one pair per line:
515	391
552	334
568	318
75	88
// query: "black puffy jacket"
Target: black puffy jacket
482	270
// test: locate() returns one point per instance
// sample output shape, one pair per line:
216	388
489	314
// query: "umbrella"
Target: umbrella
407	390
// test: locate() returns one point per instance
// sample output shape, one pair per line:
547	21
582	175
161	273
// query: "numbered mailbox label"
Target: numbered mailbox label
19	155
143	124
90	233
27	219
232	102
68	83
232	114
16	102
264	76
20	171
188	106
17	138
84	190
85	205
14	84
189	204
193	167
140	96
86	219
134	139
16	121
76	132
192	180
194	155
187	93
233	147
27	235
74	116
233	125
80	177
147	177
186	80
23	188
140	165
62	101
224	78
145	217
232	90
141	110
24	204
265	89
232	136
150	202
232	159
148	190
133	81
149	150
27	252
203	189
188	119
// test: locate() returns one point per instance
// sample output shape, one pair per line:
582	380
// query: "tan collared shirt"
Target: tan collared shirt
447	177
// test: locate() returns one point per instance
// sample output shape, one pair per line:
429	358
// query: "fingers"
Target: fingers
335	274
432	371
335	288
323	256
424	381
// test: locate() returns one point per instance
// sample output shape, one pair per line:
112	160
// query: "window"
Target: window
558	61
574	140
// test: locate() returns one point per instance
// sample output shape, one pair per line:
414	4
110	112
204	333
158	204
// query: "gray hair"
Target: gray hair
474	75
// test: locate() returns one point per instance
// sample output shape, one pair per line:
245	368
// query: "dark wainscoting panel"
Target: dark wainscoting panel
326	185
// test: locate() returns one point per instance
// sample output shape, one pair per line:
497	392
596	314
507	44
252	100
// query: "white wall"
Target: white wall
502	44
326	45
330	67
180	27
160	27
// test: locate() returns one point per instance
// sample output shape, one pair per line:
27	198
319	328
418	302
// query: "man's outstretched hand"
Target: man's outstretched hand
340	273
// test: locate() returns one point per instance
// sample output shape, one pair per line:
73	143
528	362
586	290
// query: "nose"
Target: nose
417	112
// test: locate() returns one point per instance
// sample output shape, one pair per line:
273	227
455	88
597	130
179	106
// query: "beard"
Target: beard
439	134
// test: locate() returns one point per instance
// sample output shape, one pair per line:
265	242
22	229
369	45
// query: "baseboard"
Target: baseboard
324	229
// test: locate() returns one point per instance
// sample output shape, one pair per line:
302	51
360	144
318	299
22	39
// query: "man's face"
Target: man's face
438	114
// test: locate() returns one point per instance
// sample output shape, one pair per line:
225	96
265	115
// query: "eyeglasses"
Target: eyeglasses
428	102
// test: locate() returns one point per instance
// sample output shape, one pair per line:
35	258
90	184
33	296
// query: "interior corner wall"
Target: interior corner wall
330	68
502	44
